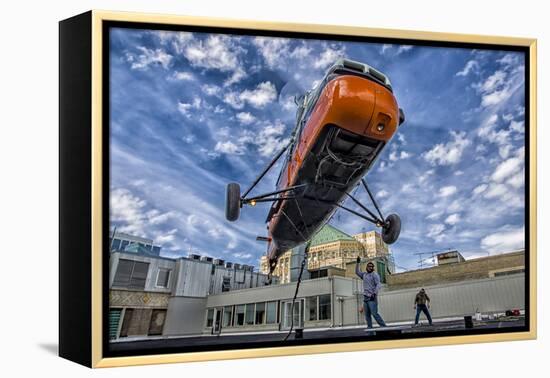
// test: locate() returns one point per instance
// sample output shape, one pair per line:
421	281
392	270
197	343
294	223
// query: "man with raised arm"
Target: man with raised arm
371	286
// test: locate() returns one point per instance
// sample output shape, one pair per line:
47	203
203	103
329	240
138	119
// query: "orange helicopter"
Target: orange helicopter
342	126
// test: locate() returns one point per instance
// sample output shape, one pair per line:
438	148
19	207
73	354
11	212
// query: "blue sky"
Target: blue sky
191	112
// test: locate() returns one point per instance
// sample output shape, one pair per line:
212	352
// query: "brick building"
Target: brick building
461	270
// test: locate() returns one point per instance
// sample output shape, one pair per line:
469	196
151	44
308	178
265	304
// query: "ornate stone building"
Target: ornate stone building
334	248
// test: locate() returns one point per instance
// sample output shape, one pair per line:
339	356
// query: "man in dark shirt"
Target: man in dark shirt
371	286
422	304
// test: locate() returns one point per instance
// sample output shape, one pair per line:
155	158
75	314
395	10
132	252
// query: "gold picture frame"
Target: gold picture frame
85	273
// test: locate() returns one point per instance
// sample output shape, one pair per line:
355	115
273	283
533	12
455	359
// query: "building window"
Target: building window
128	315
163	277
156	250
115	244
239	315
381	270
157	322
209	317
260	313
226	284
114	321
227	316
324	307
131	274
249	314
271	315
123	244
312	308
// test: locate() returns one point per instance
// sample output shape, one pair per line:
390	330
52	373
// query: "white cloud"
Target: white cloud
216	233
288	103
517	181
228	147
394	49
488	126
245	118
385	47
155	217
496	190
403	48
517	126
496	97
211	90
185	108
167	237
407	188
435	231
497	88
241	255
178	40
453	219
435	215
488	131
449	153
127	208
237	76
507	169
447	191
232	98
268	141
130	214
509	60
300	52
479	189
471	66
183	76
147	58
394	155
258	97
504	241
382	194
328	57
273	50
216	52
425	175
494	81
401	139
455	206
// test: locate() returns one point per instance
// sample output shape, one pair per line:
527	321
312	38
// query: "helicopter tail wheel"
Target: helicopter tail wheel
233	202
391	228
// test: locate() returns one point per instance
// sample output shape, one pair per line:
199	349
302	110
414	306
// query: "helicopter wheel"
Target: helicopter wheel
391	229
233	202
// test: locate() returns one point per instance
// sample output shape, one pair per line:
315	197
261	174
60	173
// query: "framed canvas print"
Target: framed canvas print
233	189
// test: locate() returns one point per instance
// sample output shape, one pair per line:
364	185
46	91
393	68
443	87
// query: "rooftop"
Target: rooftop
329	234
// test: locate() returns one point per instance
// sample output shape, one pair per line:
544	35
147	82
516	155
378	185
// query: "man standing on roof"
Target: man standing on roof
371	286
422	304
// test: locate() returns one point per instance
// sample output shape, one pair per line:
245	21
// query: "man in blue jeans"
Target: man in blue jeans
371	286
422	304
